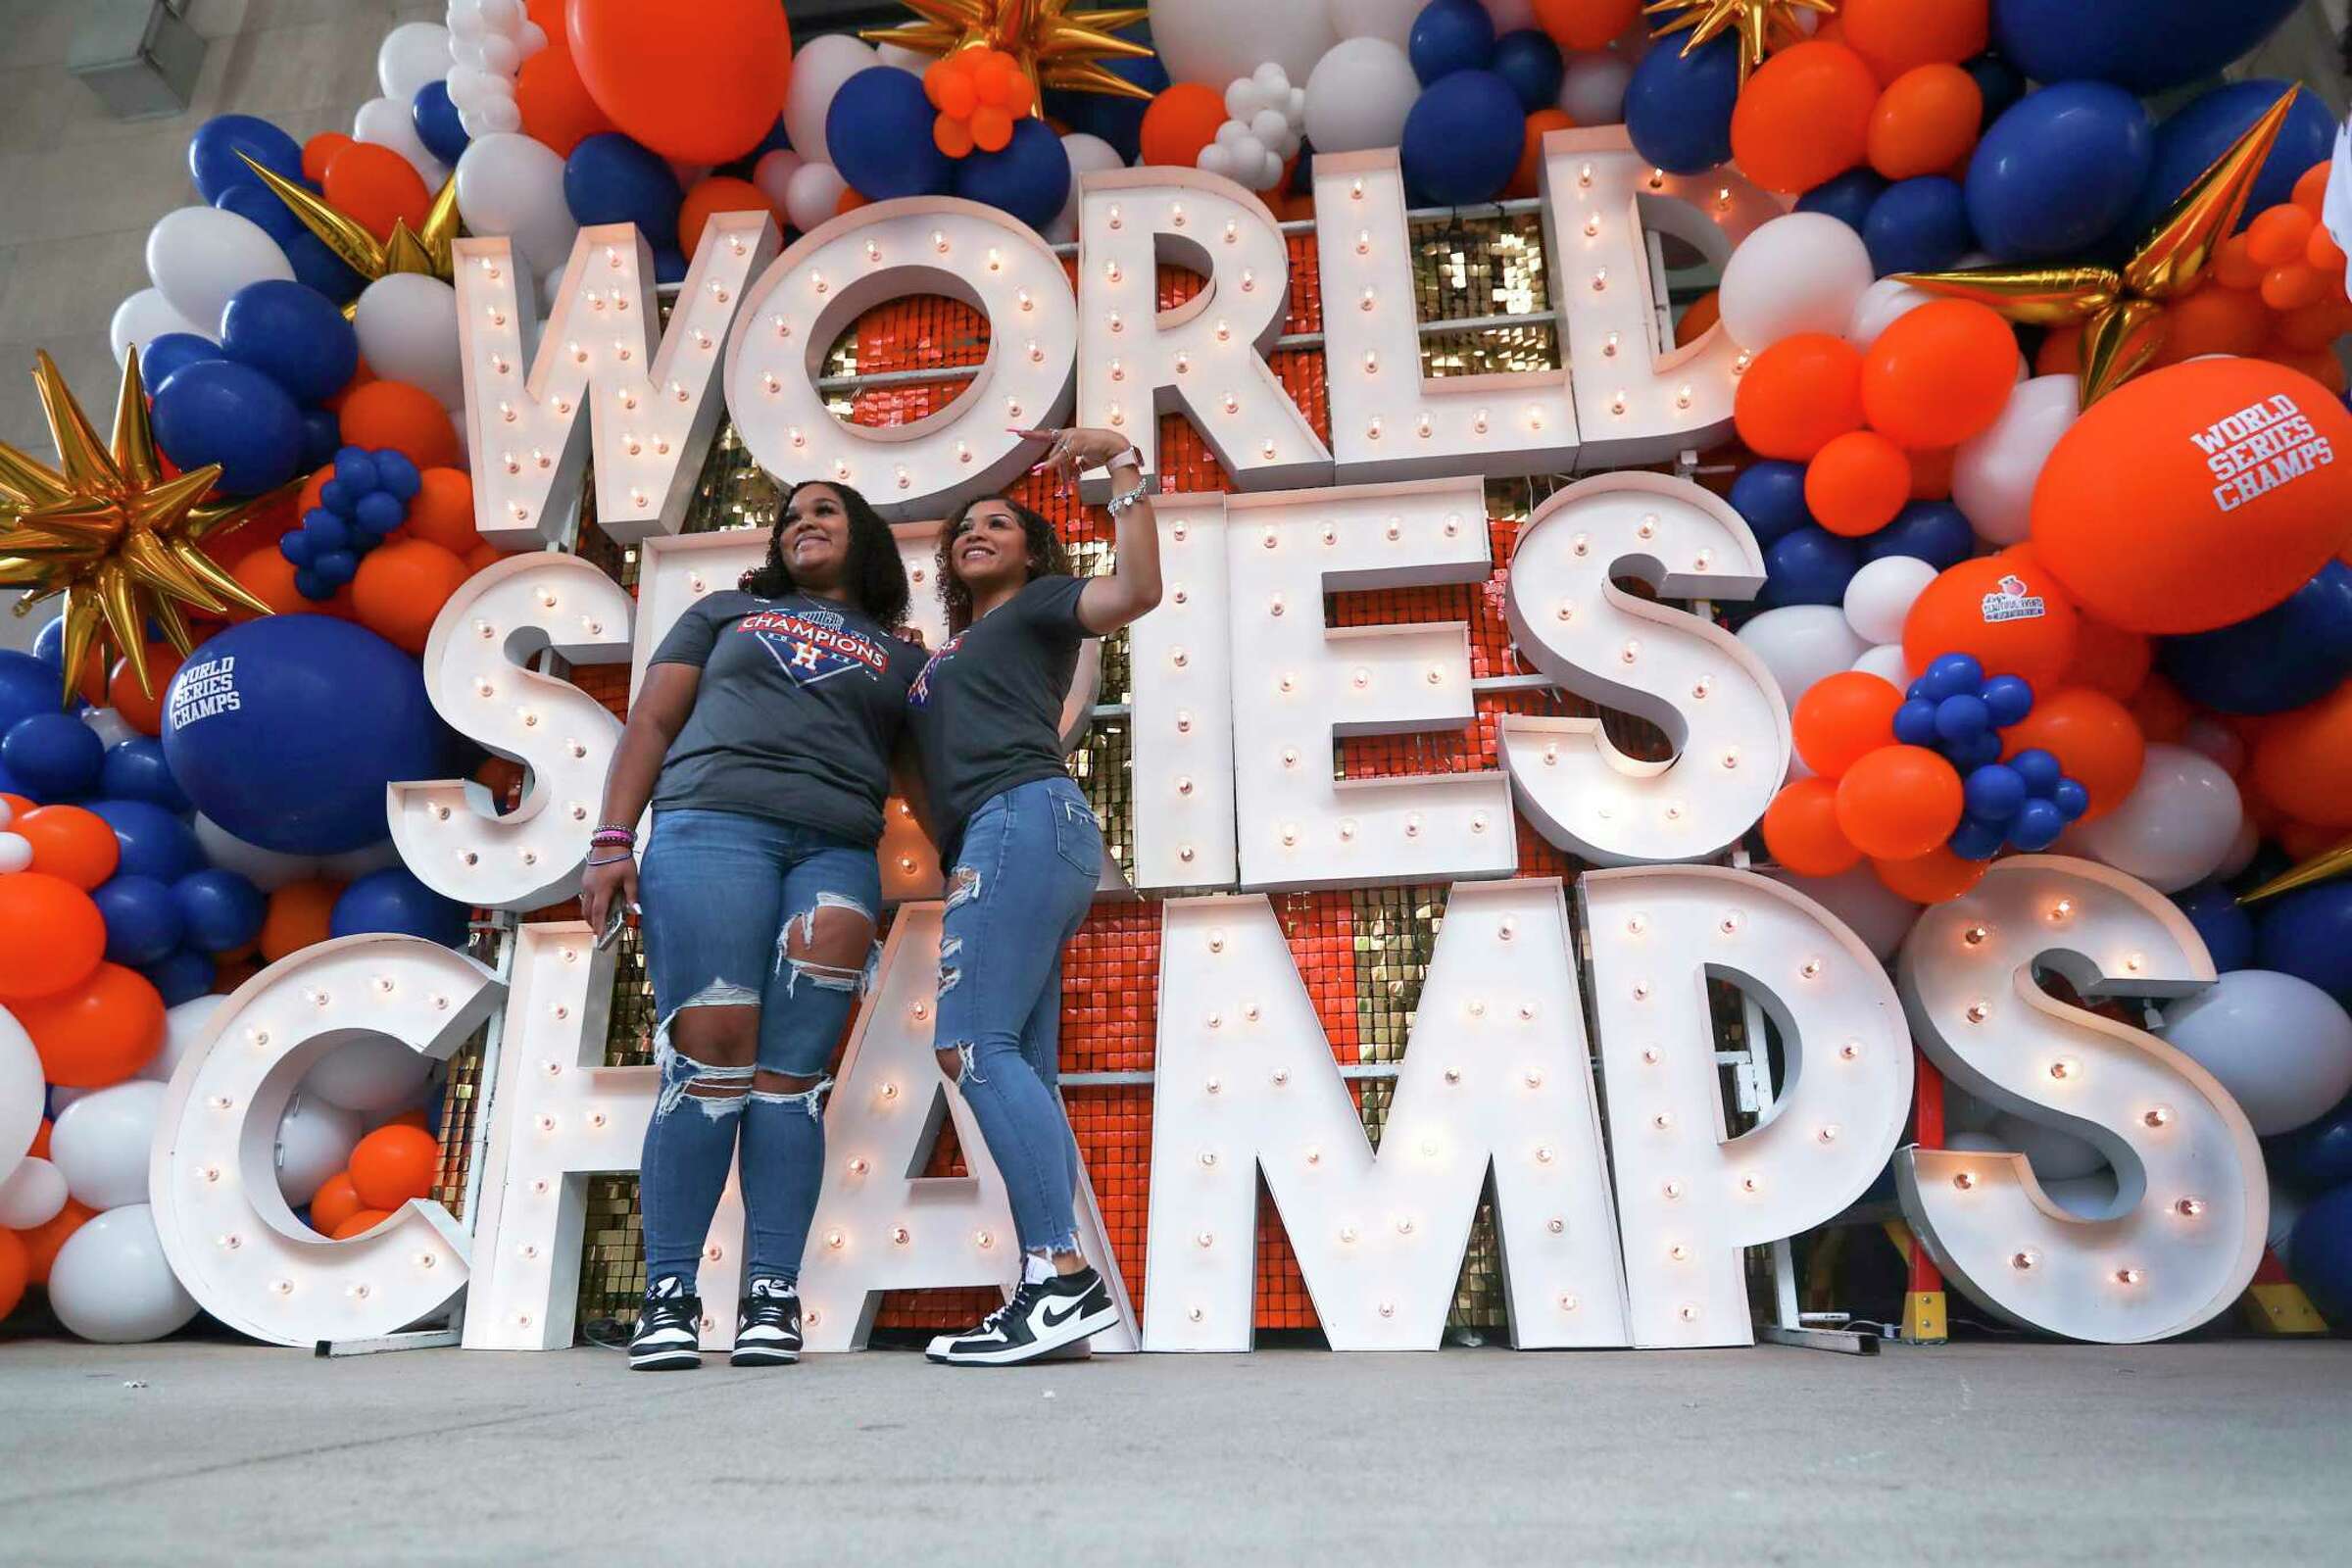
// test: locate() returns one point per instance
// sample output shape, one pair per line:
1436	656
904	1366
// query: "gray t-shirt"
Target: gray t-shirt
798	712
986	711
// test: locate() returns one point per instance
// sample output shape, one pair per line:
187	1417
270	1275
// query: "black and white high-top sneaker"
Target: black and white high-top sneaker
767	1328
668	1329
1043	1317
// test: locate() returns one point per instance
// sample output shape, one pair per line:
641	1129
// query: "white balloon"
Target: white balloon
109	725
183	1026
15	851
60	1096
511	185
773	172
2176	826
1876	308
32	1195
1802	643
410	56
891	54
352	864
2054	1154
812	195
387	123
2277	1042
1886	661
1880	595
818	69
21	1083
2091	1197
470	86
147	316
101	1142
1390	21
1993	473
1088	155
1213	41
407	330
502	15
1593	87
1799	272
199	256
501	55
266	870
371	1074
1357	96
2242	851
314	1139
1878	915
113	1284
500	116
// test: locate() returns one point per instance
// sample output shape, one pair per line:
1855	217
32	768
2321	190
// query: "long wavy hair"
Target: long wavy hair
1046	559
874	574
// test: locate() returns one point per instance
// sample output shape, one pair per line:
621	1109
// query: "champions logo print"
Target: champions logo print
919	695
814	645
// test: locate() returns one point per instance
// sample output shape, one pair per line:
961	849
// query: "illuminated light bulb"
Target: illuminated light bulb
1184	722
1331	534
1634	925
1288	681
1723	195
1534	418
1184	786
1682	396
1346	828
1204	1239
2062	912
1214	1086
1013	408
1453	1075
1543	1154
1965	1180
1679	1253
2189	1207
1649	526
1730	756
1617	404
1478	1007
817	281
1478	821
1827	1133
1535	1077
499	362
1592	226
938	241
1363	242
2158	1116
1118	416
1348	1233
1632	649
2134	962
1184	365
1233	231
2128	1276
1584	175
1608	346
1657	179
1651	1056
1688	1312
1749	1184
1600	279
858	1165
1037	351
1224	330
1314	1155
964	452
1111	272
840	469
796	435
1023	298
1232	405
835	1240
1290	834
1703	685
899	1235
1184	853
1289	757
1267	447
2066	1067
1979	1011
983	1239
890	1091
1662	1121
996	260
1551	751
1740	364
1249	281
1505	929
1851	1051
1811	969
1372	430
1371	298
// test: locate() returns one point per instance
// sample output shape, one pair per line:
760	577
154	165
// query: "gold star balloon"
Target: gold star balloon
2121	310
109	531
1056	46
428	250
1761	26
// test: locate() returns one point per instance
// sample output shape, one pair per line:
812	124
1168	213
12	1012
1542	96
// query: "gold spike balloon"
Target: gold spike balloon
2321	867
1761	26
429	251
1056	46
105	528
2121	310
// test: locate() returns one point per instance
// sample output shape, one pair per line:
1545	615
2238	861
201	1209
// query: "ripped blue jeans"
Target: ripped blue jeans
1023	878
732	903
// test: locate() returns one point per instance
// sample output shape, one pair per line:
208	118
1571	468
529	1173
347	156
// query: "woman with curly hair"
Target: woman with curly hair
762	738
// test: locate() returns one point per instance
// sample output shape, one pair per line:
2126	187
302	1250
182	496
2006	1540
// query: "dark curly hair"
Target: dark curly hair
1046	559
874	574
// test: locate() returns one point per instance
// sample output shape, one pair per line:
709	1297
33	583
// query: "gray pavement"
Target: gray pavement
1979	1454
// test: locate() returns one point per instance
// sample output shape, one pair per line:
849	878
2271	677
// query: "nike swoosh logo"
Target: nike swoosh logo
1055	1320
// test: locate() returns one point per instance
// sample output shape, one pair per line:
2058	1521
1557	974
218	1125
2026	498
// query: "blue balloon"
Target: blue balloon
335	567
669	265
1934	531
1846	198
2291	653
436	121
879	132
2319	1255
54	755
2040	771
154	841
322	268
293	334
219	411
1771	496
1808	565
1993	793
1531	62
2227	930
1973	840
1115	120
1962	717
393	900
321	433
2145	45
1918	226
1980	750
49	646
1998	82
2059	172
1462	140
322	531
336	499
2071	798
1952	675
142	922
135	770
610	179
1451	36
379	513
1678	108
1030	178
355	472
29	686
285	730
2202	131
180	976
397	475
2009	698
297	545
222	910
2316	1157
259	205
213	161
2037	825
2308	934
1915	722
312	586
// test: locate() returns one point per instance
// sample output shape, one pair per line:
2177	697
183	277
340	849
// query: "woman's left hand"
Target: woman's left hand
1075	450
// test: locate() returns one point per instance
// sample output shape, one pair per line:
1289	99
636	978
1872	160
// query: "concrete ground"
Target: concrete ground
1974	1453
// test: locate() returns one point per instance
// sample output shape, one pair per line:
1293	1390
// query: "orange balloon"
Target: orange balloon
42	1241
2311	188
1925	121
230	973
848	201
555	103
2293	286
2060	352
2109	661
2304	841
2006	610
1702	313
404	417
696	81
2303	761
1804	116
18	805
335	1202
16	1271
2234	267
992	128
2320	365
2196	496
2160	711
951	136
1931	475
269	577
140	711
482	557
2213	321
1528	176
1798	395
1182	120
1856	484
1939	374
1801	831
393	1164
413	1117
376	187
1930	878
1898	803
320	151
96	1033
298	917
401	586
51	934
1586	23
2278	234
2323	252
1899	35
2095	739
720	193
1842	717
358	1224
2314	326
442	511
71	844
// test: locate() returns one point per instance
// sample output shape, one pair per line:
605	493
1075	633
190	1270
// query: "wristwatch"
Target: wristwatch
1120	503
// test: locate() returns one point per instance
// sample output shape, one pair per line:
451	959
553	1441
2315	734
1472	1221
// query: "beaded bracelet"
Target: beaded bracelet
613	835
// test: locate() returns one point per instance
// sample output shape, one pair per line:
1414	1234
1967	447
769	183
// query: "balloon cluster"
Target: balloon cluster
358	510
2024	801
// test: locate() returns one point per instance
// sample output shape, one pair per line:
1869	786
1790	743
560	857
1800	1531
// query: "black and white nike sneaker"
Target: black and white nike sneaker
1043	1317
767	1327
668	1329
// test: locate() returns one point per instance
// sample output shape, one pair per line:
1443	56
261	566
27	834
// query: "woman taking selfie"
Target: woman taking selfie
1025	855
761	736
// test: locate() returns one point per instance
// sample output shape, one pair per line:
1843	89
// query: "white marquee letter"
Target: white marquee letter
1180	667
